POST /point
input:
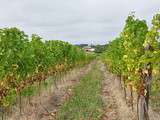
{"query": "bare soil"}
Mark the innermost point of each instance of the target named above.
(115, 105)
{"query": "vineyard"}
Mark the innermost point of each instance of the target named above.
(121, 81)
(26, 62)
(134, 57)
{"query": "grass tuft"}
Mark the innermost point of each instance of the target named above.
(86, 103)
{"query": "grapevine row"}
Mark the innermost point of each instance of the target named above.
(25, 61)
(134, 57)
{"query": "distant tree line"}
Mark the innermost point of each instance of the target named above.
(98, 48)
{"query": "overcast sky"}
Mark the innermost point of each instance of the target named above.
(76, 21)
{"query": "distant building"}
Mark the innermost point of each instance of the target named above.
(88, 49)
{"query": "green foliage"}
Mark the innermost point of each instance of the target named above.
(100, 48)
(127, 54)
(24, 61)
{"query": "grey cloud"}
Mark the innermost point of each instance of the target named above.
(76, 21)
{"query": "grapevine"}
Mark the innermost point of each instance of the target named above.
(26, 62)
(133, 56)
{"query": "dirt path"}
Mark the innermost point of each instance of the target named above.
(45, 106)
(115, 105)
